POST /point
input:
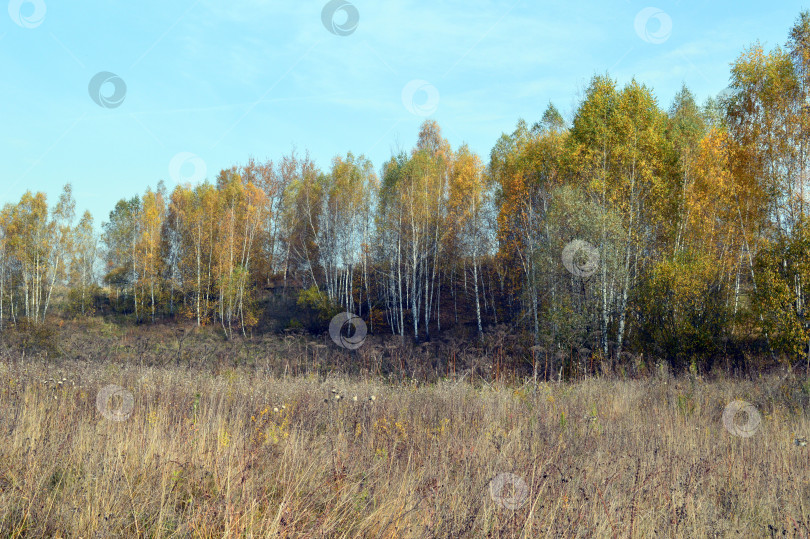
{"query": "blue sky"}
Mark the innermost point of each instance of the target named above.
(206, 84)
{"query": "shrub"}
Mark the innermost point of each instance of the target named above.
(319, 308)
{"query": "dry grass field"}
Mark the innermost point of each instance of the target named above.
(242, 453)
(110, 432)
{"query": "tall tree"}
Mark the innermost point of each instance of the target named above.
(83, 261)
(120, 237)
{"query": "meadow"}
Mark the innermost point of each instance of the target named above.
(177, 449)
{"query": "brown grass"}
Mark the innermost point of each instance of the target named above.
(206, 455)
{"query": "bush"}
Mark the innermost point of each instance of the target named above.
(85, 301)
(680, 313)
(319, 308)
(34, 338)
(781, 268)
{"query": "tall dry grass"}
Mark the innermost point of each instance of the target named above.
(244, 454)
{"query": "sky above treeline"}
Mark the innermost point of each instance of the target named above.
(114, 96)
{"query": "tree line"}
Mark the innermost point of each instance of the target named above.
(695, 215)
